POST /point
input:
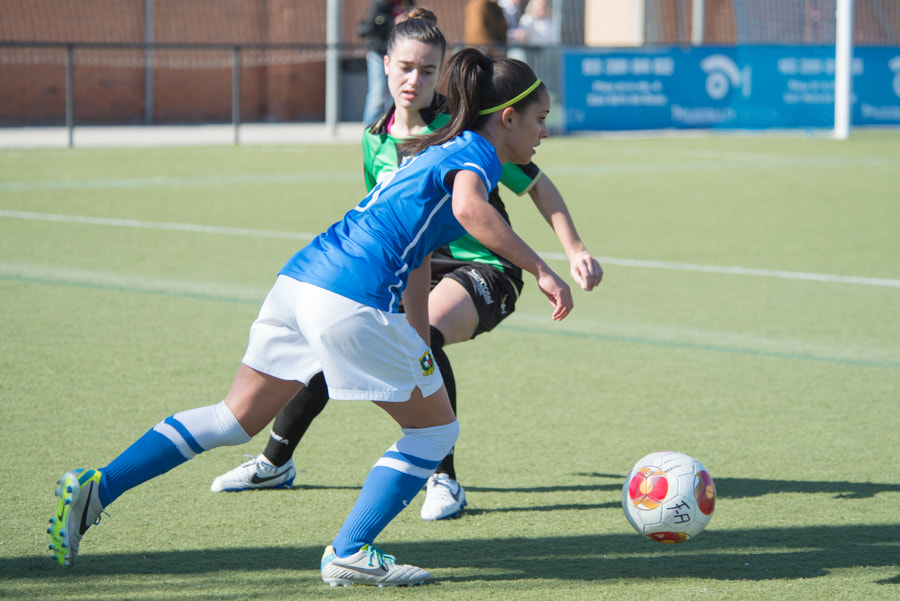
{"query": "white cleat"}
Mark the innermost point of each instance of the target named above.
(444, 498)
(370, 565)
(256, 473)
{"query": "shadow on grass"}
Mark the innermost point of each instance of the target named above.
(726, 488)
(739, 488)
(760, 554)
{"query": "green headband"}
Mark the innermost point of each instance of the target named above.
(528, 91)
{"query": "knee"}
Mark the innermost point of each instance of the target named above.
(449, 433)
(440, 439)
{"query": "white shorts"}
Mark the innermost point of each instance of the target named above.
(366, 354)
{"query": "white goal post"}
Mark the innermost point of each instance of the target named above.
(843, 59)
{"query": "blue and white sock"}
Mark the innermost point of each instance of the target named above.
(168, 444)
(392, 483)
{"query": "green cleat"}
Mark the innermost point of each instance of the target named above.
(79, 508)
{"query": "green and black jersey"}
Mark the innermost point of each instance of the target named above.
(380, 156)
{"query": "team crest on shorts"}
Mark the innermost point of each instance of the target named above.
(426, 362)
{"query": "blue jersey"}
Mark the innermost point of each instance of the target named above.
(368, 255)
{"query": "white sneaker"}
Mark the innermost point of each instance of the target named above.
(370, 565)
(444, 498)
(256, 473)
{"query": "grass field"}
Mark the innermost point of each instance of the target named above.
(749, 316)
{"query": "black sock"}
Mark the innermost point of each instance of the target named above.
(443, 362)
(294, 419)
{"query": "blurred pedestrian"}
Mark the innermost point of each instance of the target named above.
(512, 10)
(374, 30)
(536, 27)
(485, 27)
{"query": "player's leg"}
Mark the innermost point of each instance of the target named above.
(254, 399)
(293, 421)
(443, 363)
(429, 430)
(274, 467)
(389, 362)
(453, 319)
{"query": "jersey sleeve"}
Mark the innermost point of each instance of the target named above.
(477, 158)
(520, 178)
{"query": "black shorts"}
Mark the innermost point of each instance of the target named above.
(493, 292)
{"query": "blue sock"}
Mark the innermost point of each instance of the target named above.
(384, 495)
(148, 457)
(170, 443)
(391, 485)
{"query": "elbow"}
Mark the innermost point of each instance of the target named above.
(465, 214)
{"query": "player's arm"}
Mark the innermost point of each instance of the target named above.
(484, 223)
(415, 299)
(584, 268)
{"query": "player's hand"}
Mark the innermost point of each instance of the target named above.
(557, 292)
(585, 270)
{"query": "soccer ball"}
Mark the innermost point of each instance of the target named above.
(669, 497)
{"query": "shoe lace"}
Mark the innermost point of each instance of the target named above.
(444, 487)
(380, 556)
(100, 515)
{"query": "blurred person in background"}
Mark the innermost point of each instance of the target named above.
(536, 27)
(485, 27)
(512, 9)
(374, 30)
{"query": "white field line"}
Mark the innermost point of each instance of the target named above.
(133, 282)
(154, 225)
(154, 182)
(209, 229)
(792, 160)
(722, 163)
(750, 271)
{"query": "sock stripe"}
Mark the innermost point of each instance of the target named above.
(185, 433)
(404, 467)
(420, 462)
(180, 437)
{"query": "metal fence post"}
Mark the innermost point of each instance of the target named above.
(148, 62)
(70, 102)
(332, 64)
(236, 95)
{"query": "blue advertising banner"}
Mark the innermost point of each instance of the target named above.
(744, 87)
(877, 89)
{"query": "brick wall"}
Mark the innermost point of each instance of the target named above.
(191, 86)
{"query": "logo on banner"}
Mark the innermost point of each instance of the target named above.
(723, 75)
(894, 65)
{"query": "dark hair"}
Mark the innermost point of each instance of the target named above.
(476, 82)
(420, 25)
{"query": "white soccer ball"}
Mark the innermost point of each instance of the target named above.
(669, 497)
